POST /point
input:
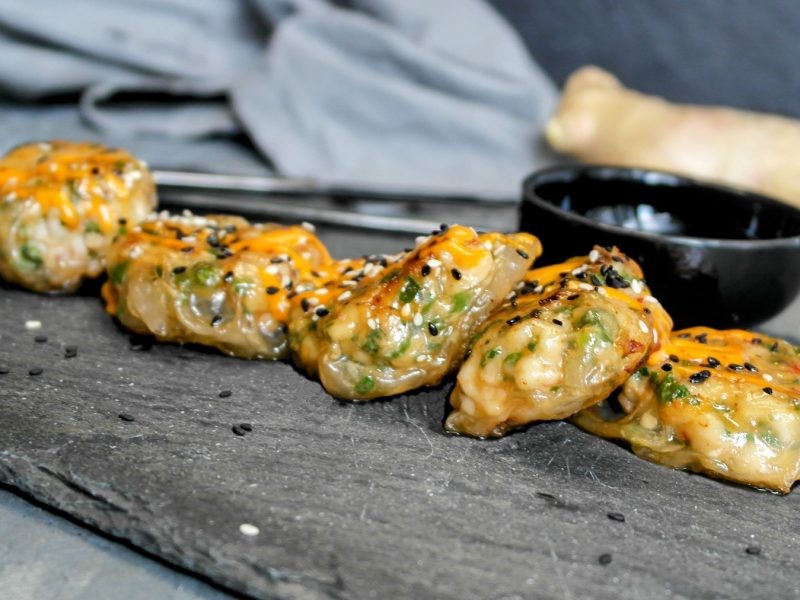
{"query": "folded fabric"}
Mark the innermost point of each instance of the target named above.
(396, 92)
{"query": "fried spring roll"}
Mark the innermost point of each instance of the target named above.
(61, 204)
(402, 326)
(572, 333)
(723, 403)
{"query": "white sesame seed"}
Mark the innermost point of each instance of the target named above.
(637, 286)
(538, 289)
(419, 240)
(418, 319)
(312, 301)
(249, 529)
(422, 358)
(348, 283)
(433, 263)
(594, 255)
(372, 324)
(643, 326)
(585, 287)
(344, 296)
(767, 377)
(272, 270)
(308, 226)
(395, 305)
(406, 310)
(321, 291)
(33, 324)
(602, 291)
(650, 299)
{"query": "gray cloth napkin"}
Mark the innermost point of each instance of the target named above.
(433, 93)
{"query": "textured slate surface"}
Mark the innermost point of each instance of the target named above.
(354, 501)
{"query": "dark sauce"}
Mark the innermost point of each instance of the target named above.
(671, 206)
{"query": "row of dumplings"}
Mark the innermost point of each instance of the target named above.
(583, 340)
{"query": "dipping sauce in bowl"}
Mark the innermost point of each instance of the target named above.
(712, 255)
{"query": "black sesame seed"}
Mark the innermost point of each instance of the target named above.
(700, 376)
(246, 426)
(40, 339)
(535, 313)
(684, 336)
(756, 341)
(216, 320)
(444, 227)
(70, 352)
(712, 362)
(322, 311)
(618, 259)
(666, 367)
(187, 249)
(276, 260)
(426, 270)
(290, 285)
(557, 322)
(751, 367)
(581, 275)
(467, 353)
(604, 559)
(122, 221)
(573, 296)
(513, 320)
(228, 277)
(615, 516)
(126, 417)
(225, 394)
(178, 270)
(768, 390)
(4, 370)
(35, 371)
(753, 550)
(237, 429)
(523, 254)
(456, 274)
(433, 329)
(774, 347)
(674, 358)
(595, 280)
(304, 304)
(735, 367)
(272, 290)
(702, 338)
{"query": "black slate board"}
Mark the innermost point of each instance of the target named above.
(354, 501)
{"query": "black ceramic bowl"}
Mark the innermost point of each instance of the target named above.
(712, 255)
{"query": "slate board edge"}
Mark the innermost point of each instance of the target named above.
(265, 583)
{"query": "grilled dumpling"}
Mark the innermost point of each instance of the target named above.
(218, 281)
(569, 336)
(724, 403)
(406, 325)
(61, 204)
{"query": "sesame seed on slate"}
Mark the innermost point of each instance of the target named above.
(712, 362)
(753, 550)
(433, 329)
(246, 426)
(237, 429)
(225, 394)
(272, 290)
(40, 339)
(35, 371)
(126, 417)
(70, 352)
(523, 254)
(456, 274)
(4, 370)
(557, 322)
(615, 516)
(513, 320)
(216, 320)
(322, 311)
(426, 270)
(604, 559)
(768, 390)
(666, 367)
